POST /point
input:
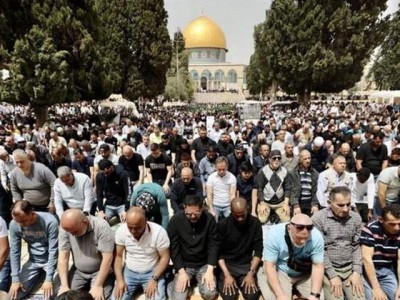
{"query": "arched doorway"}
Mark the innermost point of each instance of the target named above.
(203, 83)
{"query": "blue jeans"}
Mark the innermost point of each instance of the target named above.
(5, 276)
(222, 210)
(387, 280)
(112, 211)
(32, 275)
(134, 280)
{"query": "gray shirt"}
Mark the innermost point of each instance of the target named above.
(87, 249)
(36, 187)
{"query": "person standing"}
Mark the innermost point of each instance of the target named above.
(373, 154)
(303, 198)
(221, 189)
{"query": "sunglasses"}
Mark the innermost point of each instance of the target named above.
(301, 227)
(276, 158)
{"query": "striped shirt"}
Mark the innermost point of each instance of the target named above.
(305, 180)
(385, 247)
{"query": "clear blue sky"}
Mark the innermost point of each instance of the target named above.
(237, 19)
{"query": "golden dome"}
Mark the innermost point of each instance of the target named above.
(203, 32)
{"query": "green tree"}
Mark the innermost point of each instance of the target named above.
(319, 45)
(57, 61)
(258, 76)
(136, 46)
(179, 84)
(385, 71)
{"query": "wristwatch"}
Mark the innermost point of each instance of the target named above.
(316, 295)
(155, 278)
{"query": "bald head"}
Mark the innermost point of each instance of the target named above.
(127, 151)
(186, 175)
(301, 219)
(74, 221)
(238, 204)
(344, 149)
(136, 212)
(239, 211)
(136, 221)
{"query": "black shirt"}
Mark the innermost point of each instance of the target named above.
(193, 245)
(115, 188)
(84, 166)
(245, 188)
(179, 191)
(158, 167)
(238, 243)
(200, 147)
(132, 165)
(372, 159)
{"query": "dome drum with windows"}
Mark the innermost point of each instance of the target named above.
(206, 45)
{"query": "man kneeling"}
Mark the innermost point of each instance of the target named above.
(294, 256)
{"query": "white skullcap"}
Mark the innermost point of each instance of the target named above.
(318, 141)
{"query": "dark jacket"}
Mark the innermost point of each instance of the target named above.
(115, 188)
(237, 244)
(234, 163)
(296, 186)
(179, 191)
(193, 245)
(318, 158)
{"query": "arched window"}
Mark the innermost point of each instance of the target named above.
(194, 75)
(232, 76)
(219, 75)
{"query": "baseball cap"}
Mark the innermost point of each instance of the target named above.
(275, 153)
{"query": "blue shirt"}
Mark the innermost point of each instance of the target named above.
(276, 250)
(42, 240)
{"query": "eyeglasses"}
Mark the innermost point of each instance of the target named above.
(276, 158)
(192, 214)
(301, 227)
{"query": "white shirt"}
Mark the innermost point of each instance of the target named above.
(143, 150)
(221, 187)
(112, 157)
(323, 188)
(79, 195)
(363, 192)
(390, 177)
(142, 256)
